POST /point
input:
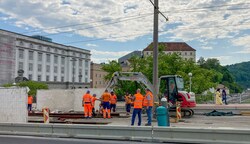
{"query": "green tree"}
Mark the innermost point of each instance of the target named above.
(110, 68)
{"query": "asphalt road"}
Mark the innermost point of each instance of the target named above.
(8, 139)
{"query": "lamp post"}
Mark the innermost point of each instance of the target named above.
(73, 73)
(190, 81)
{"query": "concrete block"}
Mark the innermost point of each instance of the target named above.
(13, 105)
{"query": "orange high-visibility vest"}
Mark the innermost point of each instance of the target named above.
(128, 99)
(138, 101)
(106, 97)
(145, 101)
(30, 100)
(87, 98)
(113, 99)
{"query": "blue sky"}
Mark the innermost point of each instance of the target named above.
(112, 28)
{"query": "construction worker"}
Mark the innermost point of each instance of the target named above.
(87, 104)
(148, 103)
(128, 102)
(105, 98)
(93, 104)
(113, 101)
(138, 98)
(30, 101)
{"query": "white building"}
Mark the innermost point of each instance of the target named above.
(181, 48)
(43, 60)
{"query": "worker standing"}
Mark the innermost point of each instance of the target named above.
(30, 101)
(113, 101)
(138, 98)
(93, 104)
(128, 102)
(148, 103)
(87, 104)
(105, 98)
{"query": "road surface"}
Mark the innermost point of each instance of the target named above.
(8, 139)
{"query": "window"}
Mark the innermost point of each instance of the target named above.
(56, 50)
(62, 79)
(40, 56)
(47, 78)
(31, 45)
(191, 53)
(39, 78)
(63, 52)
(62, 60)
(80, 79)
(48, 49)
(21, 43)
(86, 64)
(39, 68)
(185, 53)
(55, 59)
(95, 75)
(86, 73)
(21, 51)
(47, 68)
(80, 71)
(20, 65)
(55, 78)
(30, 76)
(55, 69)
(80, 63)
(31, 55)
(86, 80)
(48, 57)
(40, 47)
(74, 53)
(30, 67)
(100, 75)
(62, 70)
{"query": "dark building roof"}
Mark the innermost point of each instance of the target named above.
(171, 46)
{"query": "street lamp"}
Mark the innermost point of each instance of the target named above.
(73, 73)
(190, 81)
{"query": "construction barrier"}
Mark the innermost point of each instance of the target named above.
(46, 114)
(178, 111)
(142, 133)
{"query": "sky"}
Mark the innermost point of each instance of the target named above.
(111, 29)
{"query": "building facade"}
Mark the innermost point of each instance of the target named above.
(124, 59)
(181, 48)
(58, 65)
(97, 76)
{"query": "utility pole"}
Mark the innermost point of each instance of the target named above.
(155, 51)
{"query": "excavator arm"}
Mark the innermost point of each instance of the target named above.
(129, 76)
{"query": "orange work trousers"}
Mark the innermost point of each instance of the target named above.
(87, 110)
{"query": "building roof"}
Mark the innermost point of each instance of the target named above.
(171, 46)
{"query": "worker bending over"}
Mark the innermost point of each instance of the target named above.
(113, 101)
(87, 104)
(105, 98)
(138, 98)
(93, 104)
(128, 102)
(148, 103)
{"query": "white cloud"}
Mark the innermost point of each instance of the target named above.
(206, 47)
(244, 43)
(91, 45)
(105, 56)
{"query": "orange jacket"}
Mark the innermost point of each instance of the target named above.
(128, 99)
(106, 97)
(113, 99)
(30, 99)
(87, 98)
(148, 99)
(93, 100)
(138, 101)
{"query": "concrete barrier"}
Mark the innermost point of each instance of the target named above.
(150, 134)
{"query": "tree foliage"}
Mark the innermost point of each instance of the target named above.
(110, 68)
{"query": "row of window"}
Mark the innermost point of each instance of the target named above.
(48, 58)
(39, 78)
(186, 53)
(50, 49)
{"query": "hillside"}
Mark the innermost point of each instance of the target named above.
(241, 73)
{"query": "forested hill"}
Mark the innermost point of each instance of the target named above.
(241, 73)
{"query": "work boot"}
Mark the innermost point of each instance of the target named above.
(147, 124)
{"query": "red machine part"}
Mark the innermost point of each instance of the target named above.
(188, 100)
